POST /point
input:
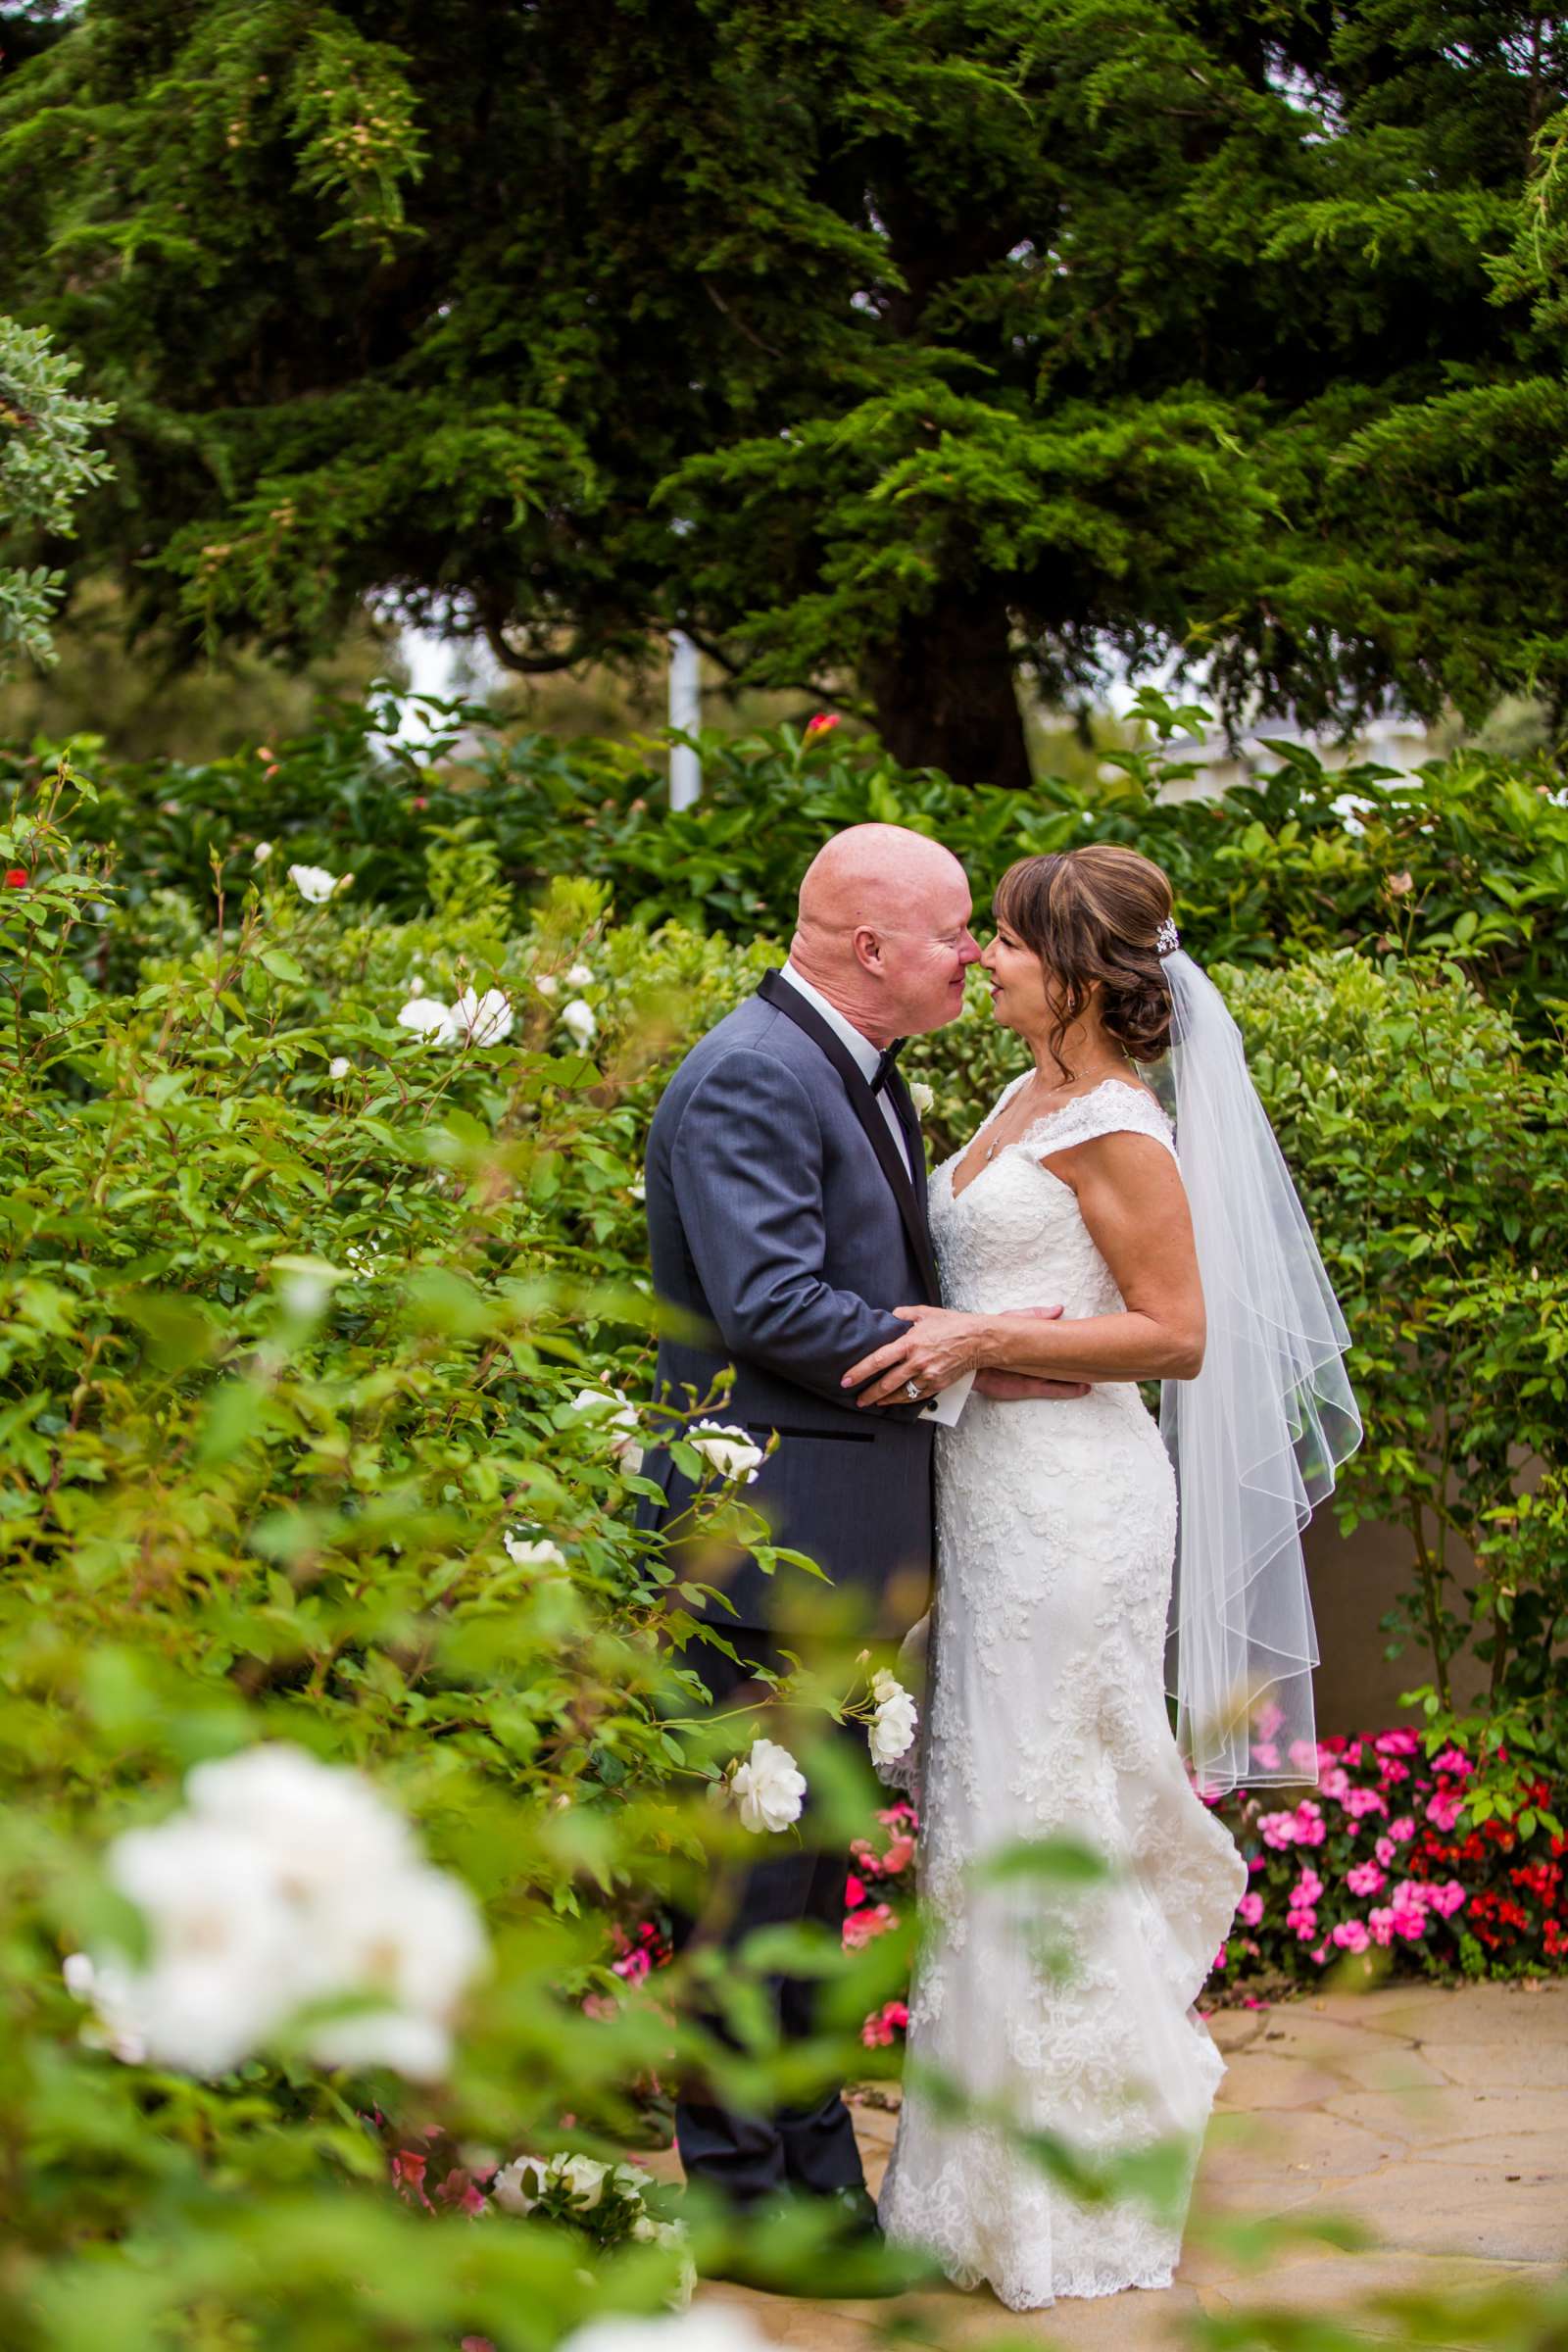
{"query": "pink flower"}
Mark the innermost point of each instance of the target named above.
(1303, 1755)
(1309, 1826)
(1447, 1899)
(1257, 1863)
(1249, 1910)
(1220, 1957)
(862, 1926)
(1384, 1850)
(1352, 1755)
(1351, 1936)
(1308, 1886)
(853, 1891)
(1303, 1922)
(1321, 1955)
(1443, 1810)
(1359, 1802)
(1402, 1829)
(1334, 1782)
(1393, 1772)
(1269, 1718)
(1266, 1755)
(1366, 1878)
(1277, 1829)
(823, 723)
(899, 1856)
(1381, 1924)
(1401, 1742)
(1453, 1760)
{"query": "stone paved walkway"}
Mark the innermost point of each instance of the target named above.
(1437, 2119)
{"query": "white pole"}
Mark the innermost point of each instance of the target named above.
(686, 714)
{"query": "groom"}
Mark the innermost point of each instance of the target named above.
(786, 1185)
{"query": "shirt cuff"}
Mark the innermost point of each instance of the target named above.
(948, 1402)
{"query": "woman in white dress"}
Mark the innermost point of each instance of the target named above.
(1057, 2011)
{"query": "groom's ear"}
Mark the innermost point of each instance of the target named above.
(868, 945)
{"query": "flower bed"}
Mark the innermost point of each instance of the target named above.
(1382, 1858)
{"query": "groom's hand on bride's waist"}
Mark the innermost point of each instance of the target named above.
(1016, 1387)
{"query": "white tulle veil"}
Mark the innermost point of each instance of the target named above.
(1256, 1437)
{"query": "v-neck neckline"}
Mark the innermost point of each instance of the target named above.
(957, 1192)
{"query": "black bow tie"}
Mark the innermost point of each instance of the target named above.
(888, 1064)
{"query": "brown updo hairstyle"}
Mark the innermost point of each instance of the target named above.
(1093, 914)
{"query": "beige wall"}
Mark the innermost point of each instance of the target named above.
(1354, 1579)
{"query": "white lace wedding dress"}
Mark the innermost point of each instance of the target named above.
(1046, 1712)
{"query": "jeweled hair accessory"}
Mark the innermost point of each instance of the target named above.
(1167, 939)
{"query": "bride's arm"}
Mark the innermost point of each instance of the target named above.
(1132, 1202)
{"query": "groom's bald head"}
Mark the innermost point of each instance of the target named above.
(883, 929)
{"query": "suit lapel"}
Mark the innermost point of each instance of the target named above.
(788, 1001)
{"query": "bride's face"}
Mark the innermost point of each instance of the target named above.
(1021, 990)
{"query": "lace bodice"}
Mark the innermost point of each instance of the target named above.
(1016, 1225)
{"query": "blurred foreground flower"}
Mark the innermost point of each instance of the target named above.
(712, 2328)
(529, 1552)
(480, 1020)
(314, 883)
(579, 1019)
(285, 1881)
(727, 1451)
(768, 1788)
(922, 1095)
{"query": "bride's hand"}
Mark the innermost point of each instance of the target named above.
(941, 1346)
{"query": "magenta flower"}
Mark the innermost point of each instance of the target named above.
(1447, 1899)
(1393, 1772)
(1310, 1824)
(1268, 1720)
(1303, 1755)
(1308, 1886)
(1402, 1829)
(1303, 1922)
(1266, 1755)
(1277, 1829)
(1385, 1851)
(1443, 1810)
(1351, 1936)
(1401, 1742)
(1366, 1878)
(1358, 1801)
(1381, 1924)
(1453, 1760)
(1335, 1782)
(1249, 1910)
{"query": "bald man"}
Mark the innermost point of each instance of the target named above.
(786, 1189)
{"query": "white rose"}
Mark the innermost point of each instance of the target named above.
(580, 975)
(620, 1420)
(769, 1788)
(429, 1016)
(338, 1066)
(891, 1730)
(579, 1019)
(922, 1098)
(729, 1451)
(542, 1555)
(548, 984)
(261, 852)
(314, 883)
(519, 2185)
(480, 1020)
(581, 2177)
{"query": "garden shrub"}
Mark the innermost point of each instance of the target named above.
(1469, 858)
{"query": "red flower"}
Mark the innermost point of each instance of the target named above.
(822, 724)
(853, 1891)
(16, 877)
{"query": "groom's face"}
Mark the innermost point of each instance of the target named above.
(924, 960)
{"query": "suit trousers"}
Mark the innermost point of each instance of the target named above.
(810, 2151)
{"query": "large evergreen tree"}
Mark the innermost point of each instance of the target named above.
(890, 346)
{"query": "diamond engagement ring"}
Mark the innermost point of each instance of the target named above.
(912, 1390)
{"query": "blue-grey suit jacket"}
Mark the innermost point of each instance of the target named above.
(781, 1215)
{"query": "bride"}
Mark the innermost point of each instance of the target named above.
(1181, 1254)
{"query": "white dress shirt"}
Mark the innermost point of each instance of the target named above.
(948, 1402)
